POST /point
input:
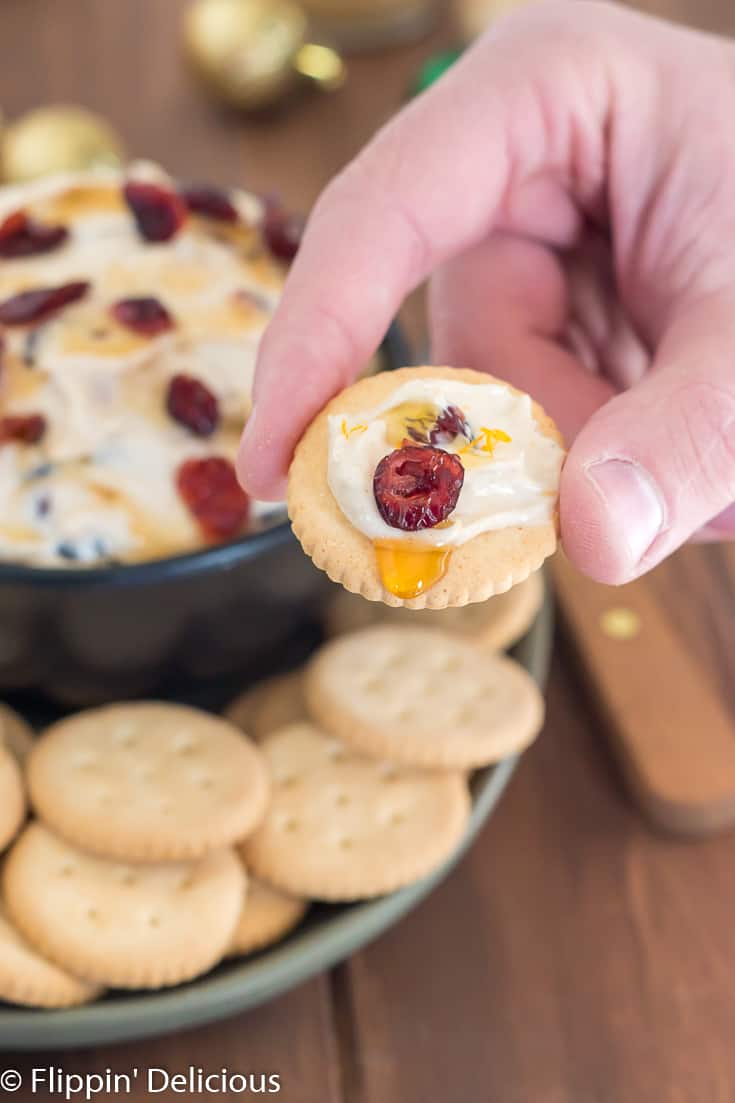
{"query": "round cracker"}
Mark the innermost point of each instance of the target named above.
(15, 733)
(423, 697)
(122, 925)
(269, 705)
(147, 782)
(29, 980)
(267, 916)
(343, 827)
(494, 625)
(486, 565)
(12, 798)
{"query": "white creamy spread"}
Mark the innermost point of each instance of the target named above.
(506, 483)
(101, 483)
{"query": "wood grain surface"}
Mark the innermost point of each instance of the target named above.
(575, 956)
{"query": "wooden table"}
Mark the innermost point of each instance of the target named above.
(575, 957)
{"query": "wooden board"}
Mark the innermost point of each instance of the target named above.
(662, 707)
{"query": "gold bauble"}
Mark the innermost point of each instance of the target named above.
(244, 49)
(250, 52)
(475, 16)
(59, 138)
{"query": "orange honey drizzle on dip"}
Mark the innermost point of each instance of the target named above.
(80, 200)
(407, 572)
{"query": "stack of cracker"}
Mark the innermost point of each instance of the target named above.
(131, 876)
(164, 839)
(371, 744)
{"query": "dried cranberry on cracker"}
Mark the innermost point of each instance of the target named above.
(417, 487)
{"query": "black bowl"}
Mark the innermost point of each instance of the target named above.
(172, 625)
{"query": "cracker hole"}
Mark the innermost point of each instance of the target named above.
(66, 871)
(186, 884)
(165, 809)
(342, 800)
(390, 774)
(396, 819)
(345, 843)
(154, 922)
(337, 755)
(289, 782)
(128, 879)
(291, 824)
(92, 915)
(205, 783)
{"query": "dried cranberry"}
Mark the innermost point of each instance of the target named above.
(145, 315)
(192, 404)
(22, 429)
(21, 236)
(211, 491)
(32, 306)
(159, 212)
(450, 424)
(210, 202)
(282, 231)
(416, 488)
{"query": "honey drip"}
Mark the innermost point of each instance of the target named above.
(409, 571)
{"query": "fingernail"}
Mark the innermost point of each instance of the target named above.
(633, 501)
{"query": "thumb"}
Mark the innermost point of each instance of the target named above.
(656, 463)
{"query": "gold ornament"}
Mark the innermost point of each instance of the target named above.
(475, 16)
(249, 53)
(59, 138)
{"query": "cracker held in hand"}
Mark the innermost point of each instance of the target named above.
(121, 925)
(344, 827)
(30, 981)
(12, 798)
(267, 916)
(422, 697)
(428, 487)
(492, 625)
(147, 782)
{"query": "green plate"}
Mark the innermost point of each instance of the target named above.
(329, 935)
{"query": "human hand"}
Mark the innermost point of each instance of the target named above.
(569, 185)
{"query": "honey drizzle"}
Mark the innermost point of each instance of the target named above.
(407, 571)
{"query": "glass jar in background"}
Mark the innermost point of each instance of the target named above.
(366, 24)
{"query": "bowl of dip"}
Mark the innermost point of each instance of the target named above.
(131, 309)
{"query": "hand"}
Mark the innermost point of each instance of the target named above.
(570, 185)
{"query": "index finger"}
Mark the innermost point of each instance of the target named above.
(435, 181)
